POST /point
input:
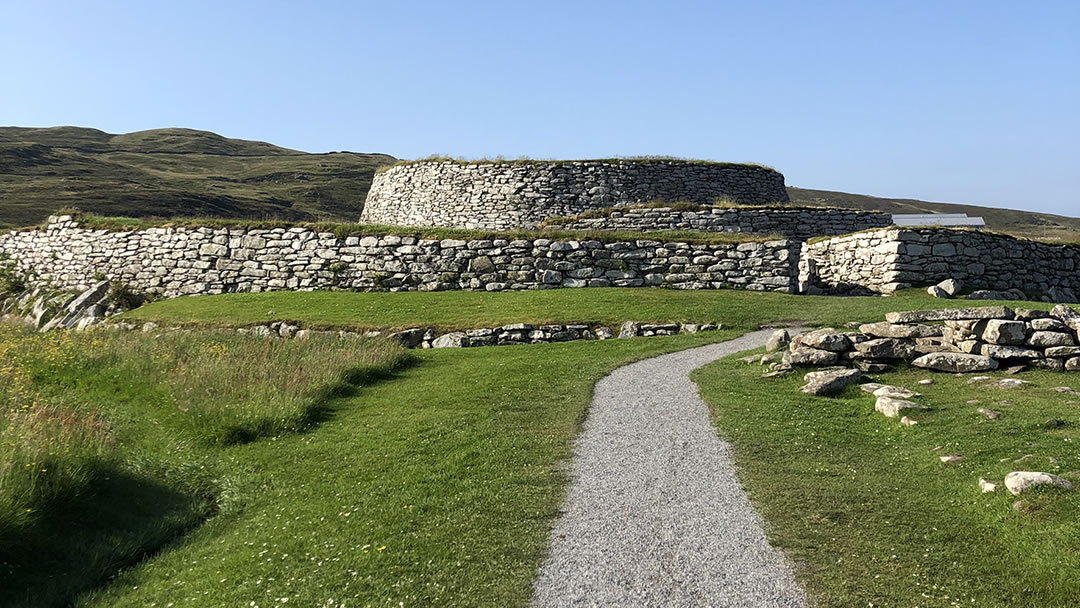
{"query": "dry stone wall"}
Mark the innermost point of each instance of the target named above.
(186, 261)
(513, 195)
(801, 223)
(882, 261)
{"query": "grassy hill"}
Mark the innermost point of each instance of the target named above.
(175, 173)
(165, 173)
(1042, 226)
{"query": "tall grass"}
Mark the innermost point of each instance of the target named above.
(58, 405)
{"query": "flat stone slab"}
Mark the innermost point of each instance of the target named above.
(951, 314)
(955, 362)
(1018, 481)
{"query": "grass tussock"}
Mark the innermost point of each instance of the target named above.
(92, 418)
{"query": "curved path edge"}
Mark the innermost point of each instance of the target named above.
(654, 514)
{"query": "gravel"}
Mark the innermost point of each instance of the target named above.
(655, 515)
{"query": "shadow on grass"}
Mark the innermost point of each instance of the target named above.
(78, 542)
(319, 409)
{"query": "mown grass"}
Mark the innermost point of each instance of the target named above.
(111, 445)
(870, 514)
(744, 310)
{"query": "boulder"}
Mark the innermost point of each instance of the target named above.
(891, 406)
(1062, 312)
(825, 338)
(950, 314)
(1047, 339)
(455, 339)
(811, 356)
(937, 292)
(955, 362)
(1030, 314)
(951, 287)
(1063, 351)
(896, 392)
(1073, 365)
(604, 333)
(887, 348)
(998, 351)
(830, 382)
(1019, 481)
(630, 329)
(779, 339)
(998, 331)
(892, 330)
(409, 338)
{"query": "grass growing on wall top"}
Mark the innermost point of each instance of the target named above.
(524, 160)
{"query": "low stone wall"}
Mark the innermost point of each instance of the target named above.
(882, 261)
(183, 261)
(512, 195)
(800, 223)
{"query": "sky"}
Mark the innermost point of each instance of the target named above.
(971, 102)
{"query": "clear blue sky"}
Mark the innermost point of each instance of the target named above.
(975, 102)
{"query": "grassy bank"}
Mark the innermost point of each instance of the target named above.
(468, 309)
(112, 445)
(871, 515)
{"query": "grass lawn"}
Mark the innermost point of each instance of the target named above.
(870, 514)
(736, 309)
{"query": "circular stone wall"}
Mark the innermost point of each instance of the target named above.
(521, 194)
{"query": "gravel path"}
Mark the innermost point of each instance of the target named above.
(655, 515)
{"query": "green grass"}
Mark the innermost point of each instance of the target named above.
(744, 310)
(175, 173)
(436, 487)
(873, 518)
(114, 444)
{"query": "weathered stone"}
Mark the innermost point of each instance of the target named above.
(997, 331)
(1048, 324)
(1019, 481)
(892, 330)
(891, 407)
(989, 413)
(951, 287)
(919, 316)
(1063, 351)
(604, 333)
(986, 486)
(630, 329)
(1047, 339)
(955, 362)
(998, 351)
(779, 339)
(825, 338)
(830, 382)
(409, 338)
(887, 348)
(908, 421)
(1064, 313)
(937, 292)
(456, 339)
(896, 392)
(1008, 383)
(811, 356)
(1073, 365)
(950, 459)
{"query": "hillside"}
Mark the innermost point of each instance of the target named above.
(166, 173)
(174, 172)
(1042, 226)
